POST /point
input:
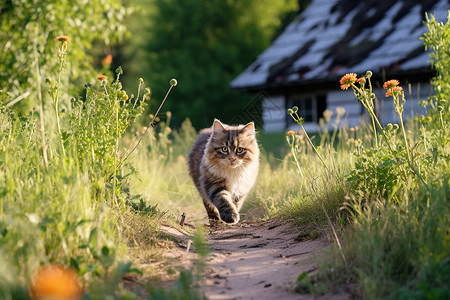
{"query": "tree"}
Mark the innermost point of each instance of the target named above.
(28, 50)
(204, 45)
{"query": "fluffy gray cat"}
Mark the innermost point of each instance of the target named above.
(223, 164)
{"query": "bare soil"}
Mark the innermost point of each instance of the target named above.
(257, 260)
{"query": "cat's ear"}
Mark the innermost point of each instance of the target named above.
(249, 127)
(218, 125)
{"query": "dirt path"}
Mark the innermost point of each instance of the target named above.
(259, 261)
(254, 260)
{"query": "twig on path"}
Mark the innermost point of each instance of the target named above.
(183, 217)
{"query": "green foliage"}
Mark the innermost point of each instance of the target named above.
(27, 33)
(437, 38)
(205, 44)
(48, 214)
(98, 120)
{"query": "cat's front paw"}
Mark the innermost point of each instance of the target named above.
(230, 217)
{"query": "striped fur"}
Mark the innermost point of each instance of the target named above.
(223, 164)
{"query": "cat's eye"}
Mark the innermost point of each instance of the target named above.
(239, 150)
(224, 149)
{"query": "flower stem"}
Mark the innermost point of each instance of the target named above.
(296, 161)
(374, 131)
(404, 137)
(41, 108)
(315, 150)
(128, 151)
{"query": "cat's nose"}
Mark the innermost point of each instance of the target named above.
(231, 159)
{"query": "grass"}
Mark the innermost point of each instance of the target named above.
(62, 214)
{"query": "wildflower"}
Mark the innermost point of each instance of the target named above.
(107, 60)
(340, 111)
(327, 114)
(55, 282)
(124, 95)
(393, 89)
(173, 82)
(62, 38)
(101, 77)
(347, 80)
(290, 132)
(390, 84)
(361, 79)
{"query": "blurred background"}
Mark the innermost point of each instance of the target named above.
(203, 44)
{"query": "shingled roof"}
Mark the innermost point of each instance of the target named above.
(334, 37)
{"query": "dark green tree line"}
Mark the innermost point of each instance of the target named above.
(204, 44)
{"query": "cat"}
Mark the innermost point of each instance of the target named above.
(224, 163)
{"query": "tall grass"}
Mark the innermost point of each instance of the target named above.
(393, 196)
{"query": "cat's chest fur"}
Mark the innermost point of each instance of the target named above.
(238, 181)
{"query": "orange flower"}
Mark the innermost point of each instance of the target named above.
(290, 132)
(394, 89)
(390, 84)
(107, 60)
(55, 282)
(101, 77)
(347, 80)
(62, 38)
(360, 79)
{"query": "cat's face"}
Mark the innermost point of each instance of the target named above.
(232, 146)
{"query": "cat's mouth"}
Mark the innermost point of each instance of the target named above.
(234, 164)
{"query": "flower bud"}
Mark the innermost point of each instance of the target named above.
(368, 74)
(173, 82)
